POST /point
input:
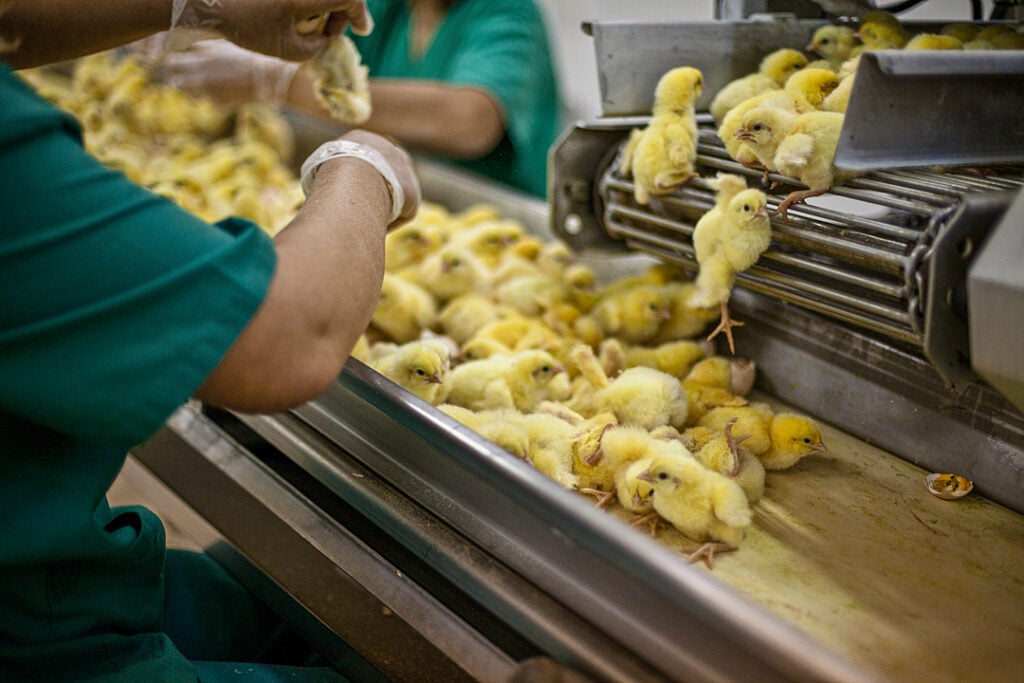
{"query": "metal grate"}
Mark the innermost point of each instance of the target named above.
(857, 254)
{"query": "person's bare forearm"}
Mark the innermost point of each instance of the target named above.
(47, 31)
(325, 287)
(430, 116)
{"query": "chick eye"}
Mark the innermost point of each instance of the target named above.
(758, 126)
(806, 440)
(421, 372)
(663, 476)
(746, 207)
(545, 368)
(826, 41)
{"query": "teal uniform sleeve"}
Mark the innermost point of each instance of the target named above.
(116, 303)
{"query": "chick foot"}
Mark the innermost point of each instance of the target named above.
(603, 497)
(793, 198)
(651, 519)
(707, 552)
(725, 324)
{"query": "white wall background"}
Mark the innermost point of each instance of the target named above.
(574, 51)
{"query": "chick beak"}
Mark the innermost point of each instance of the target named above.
(446, 267)
(762, 211)
(820, 447)
(637, 500)
(646, 476)
(810, 47)
(743, 134)
(436, 378)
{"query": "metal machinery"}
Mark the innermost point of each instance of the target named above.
(409, 548)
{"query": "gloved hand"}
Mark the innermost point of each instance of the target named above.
(289, 29)
(228, 74)
(390, 160)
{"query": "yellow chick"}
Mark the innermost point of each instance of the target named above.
(964, 31)
(683, 320)
(724, 454)
(778, 440)
(421, 367)
(879, 35)
(839, 99)
(450, 271)
(728, 243)
(407, 245)
(489, 241)
(661, 156)
(833, 43)
(772, 73)
(1008, 41)
(462, 316)
(933, 41)
(520, 380)
(404, 309)
(633, 315)
(551, 442)
(519, 333)
(700, 503)
(800, 147)
(675, 358)
(638, 397)
(805, 91)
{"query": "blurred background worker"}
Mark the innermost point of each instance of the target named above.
(116, 306)
(468, 81)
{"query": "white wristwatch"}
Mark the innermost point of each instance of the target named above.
(347, 148)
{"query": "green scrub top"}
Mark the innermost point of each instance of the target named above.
(500, 46)
(116, 304)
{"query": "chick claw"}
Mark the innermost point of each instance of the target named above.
(707, 552)
(603, 497)
(793, 198)
(725, 324)
(651, 519)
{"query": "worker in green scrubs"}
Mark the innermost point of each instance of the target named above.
(469, 82)
(116, 306)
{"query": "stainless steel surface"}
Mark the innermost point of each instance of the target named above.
(995, 289)
(633, 55)
(934, 108)
(676, 620)
(403, 631)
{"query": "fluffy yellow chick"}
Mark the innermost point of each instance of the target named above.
(724, 454)
(805, 91)
(463, 316)
(771, 74)
(833, 43)
(450, 271)
(717, 381)
(800, 147)
(489, 241)
(727, 243)
(421, 367)
(661, 156)
(519, 333)
(633, 315)
(520, 381)
(877, 35)
(407, 245)
(404, 309)
(778, 440)
(639, 397)
(675, 358)
(964, 31)
(839, 99)
(700, 503)
(933, 41)
(683, 320)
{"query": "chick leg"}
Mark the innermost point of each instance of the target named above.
(603, 497)
(707, 553)
(793, 198)
(725, 324)
(651, 519)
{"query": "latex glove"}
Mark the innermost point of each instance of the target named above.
(390, 160)
(282, 28)
(229, 74)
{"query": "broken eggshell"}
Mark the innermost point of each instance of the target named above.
(948, 486)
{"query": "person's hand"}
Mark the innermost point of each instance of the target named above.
(228, 74)
(393, 162)
(295, 30)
